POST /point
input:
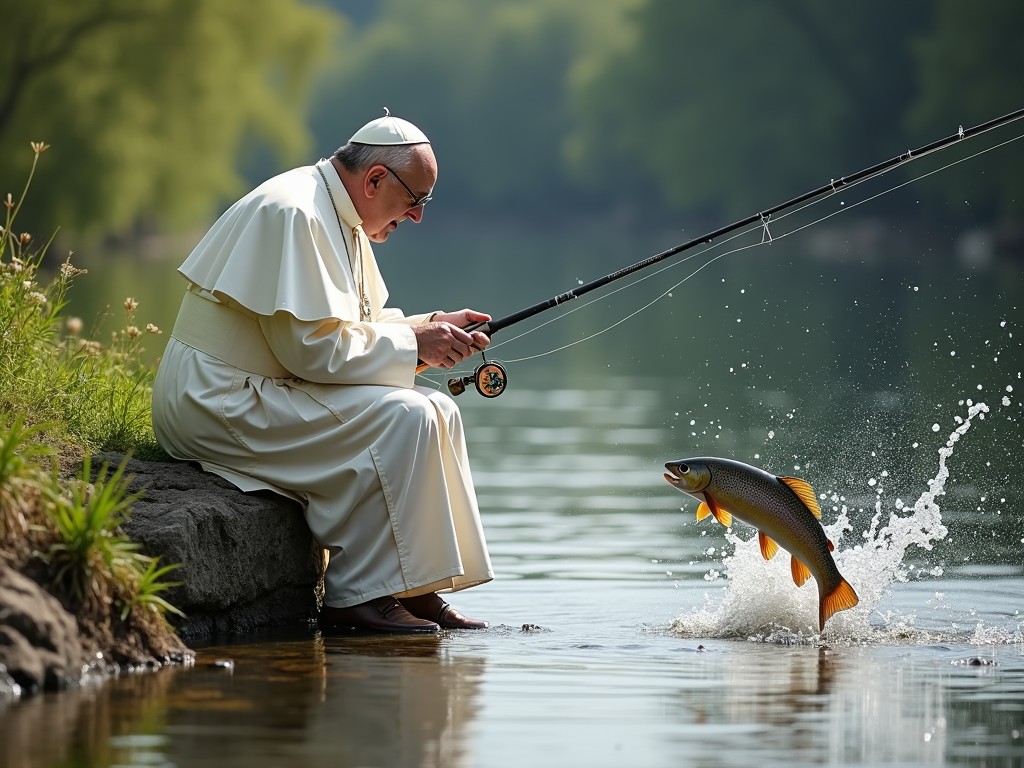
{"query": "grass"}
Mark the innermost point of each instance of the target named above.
(94, 396)
(63, 398)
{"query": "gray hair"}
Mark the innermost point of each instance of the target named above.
(358, 157)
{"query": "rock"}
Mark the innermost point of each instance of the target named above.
(248, 560)
(39, 642)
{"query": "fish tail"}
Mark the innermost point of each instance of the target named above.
(839, 599)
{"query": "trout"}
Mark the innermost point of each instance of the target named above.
(784, 511)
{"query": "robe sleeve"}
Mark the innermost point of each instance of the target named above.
(340, 352)
(391, 315)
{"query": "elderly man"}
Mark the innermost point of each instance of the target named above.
(286, 371)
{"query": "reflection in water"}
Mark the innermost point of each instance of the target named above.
(344, 700)
(397, 704)
(98, 724)
(829, 706)
(339, 701)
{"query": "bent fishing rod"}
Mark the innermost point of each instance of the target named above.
(490, 377)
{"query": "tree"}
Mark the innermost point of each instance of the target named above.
(738, 104)
(490, 83)
(147, 105)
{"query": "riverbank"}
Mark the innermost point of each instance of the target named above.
(245, 562)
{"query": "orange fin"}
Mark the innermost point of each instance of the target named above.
(805, 493)
(768, 545)
(703, 511)
(839, 599)
(800, 572)
(721, 515)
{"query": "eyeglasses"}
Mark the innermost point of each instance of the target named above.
(416, 201)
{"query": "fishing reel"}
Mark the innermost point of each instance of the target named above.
(489, 377)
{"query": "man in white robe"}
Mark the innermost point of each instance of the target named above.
(285, 371)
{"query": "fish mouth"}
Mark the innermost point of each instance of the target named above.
(672, 479)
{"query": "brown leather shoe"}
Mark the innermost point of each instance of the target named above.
(382, 614)
(433, 608)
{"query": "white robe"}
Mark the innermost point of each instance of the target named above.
(271, 380)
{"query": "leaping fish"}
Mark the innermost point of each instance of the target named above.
(783, 509)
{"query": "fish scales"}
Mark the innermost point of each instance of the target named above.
(779, 507)
(766, 503)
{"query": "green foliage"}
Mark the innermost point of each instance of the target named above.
(147, 104)
(490, 84)
(76, 527)
(733, 102)
(147, 588)
(92, 396)
(106, 391)
(89, 552)
(537, 107)
(62, 394)
(17, 453)
(20, 478)
(653, 106)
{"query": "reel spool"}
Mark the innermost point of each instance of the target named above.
(489, 377)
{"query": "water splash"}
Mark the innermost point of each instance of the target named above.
(761, 603)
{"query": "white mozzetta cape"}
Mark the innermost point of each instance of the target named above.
(279, 249)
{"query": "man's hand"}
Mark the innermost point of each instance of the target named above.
(442, 343)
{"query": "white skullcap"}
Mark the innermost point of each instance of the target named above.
(389, 130)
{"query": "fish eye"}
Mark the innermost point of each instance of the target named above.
(684, 468)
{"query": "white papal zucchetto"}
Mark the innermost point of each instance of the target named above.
(389, 130)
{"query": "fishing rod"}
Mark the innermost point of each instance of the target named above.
(490, 377)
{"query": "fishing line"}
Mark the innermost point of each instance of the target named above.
(490, 377)
(766, 239)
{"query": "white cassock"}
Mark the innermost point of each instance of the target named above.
(273, 380)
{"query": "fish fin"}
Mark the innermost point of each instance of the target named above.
(768, 545)
(839, 599)
(804, 492)
(831, 546)
(703, 510)
(800, 572)
(721, 515)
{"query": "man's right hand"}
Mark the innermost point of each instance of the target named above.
(442, 344)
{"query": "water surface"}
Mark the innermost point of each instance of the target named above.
(625, 633)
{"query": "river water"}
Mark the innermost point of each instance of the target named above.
(624, 632)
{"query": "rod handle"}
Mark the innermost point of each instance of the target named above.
(483, 326)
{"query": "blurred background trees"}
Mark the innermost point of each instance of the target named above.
(152, 108)
(161, 113)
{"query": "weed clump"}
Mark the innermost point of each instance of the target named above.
(62, 398)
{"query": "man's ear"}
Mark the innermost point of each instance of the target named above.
(371, 181)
